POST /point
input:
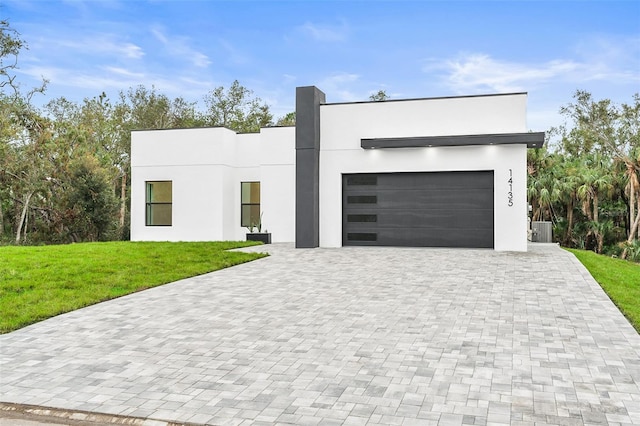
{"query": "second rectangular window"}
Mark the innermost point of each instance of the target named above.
(159, 203)
(250, 204)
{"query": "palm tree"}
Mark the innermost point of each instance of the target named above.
(632, 189)
(596, 182)
(542, 190)
(568, 181)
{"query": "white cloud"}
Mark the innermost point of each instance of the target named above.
(196, 83)
(288, 78)
(480, 72)
(39, 72)
(124, 72)
(131, 50)
(235, 56)
(86, 5)
(109, 79)
(104, 44)
(341, 78)
(159, 35)
(200, 60)
(325, 33)
(603, 61)
(619, 52)
(104, 78)
(341, 85)
(179, 47)
(614, 59)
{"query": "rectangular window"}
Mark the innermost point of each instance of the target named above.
(250, 204)
(159, 199)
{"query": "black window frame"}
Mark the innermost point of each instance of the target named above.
(149, 204)
(242, 204)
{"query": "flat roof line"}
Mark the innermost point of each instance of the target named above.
(427, 98)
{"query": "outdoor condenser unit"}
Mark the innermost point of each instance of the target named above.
(541, 232)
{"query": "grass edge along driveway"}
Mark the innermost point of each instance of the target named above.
(618, 278)
(37, 283)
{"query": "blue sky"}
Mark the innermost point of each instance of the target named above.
(349, 49)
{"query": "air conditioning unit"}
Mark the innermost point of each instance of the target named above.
(541, 232)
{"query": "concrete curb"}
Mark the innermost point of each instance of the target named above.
(32, 415)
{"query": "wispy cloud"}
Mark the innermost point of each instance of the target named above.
(158, 34)
(88, 4)
(478, 72)
(102, 79)
(341, 85)
(196, 85)
(288, 78)
(325, 32)
(104, 44)
(131, 51)
(611, 58)
(235, 56)
(603, 60)
(179, 47)
(124, 72)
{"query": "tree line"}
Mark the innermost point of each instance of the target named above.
(65, 167)
(587, 180)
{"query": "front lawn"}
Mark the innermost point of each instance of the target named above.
(37, 283)
(619, 279)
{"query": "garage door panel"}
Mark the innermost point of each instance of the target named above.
(404, 199)
(452, 180)
(435, 180)
(423, 238)
(439, 209)
(480, 238)
(431, 219)
(458, 199)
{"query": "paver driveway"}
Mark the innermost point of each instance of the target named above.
(345, 336)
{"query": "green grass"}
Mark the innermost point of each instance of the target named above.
(620, 279)
(37, 283)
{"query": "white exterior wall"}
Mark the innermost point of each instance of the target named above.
(278, 183)
(342, 126)
(245, 169)
(206, 167)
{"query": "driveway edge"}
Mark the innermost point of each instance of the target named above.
(53, 416)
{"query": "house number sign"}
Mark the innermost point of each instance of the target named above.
(510, 193)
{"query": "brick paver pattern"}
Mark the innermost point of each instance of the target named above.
(348, 336)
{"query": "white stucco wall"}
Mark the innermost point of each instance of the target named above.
(206, 167)
(342, 126)
(278, 182)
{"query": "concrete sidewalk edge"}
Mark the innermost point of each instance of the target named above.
(56, 416)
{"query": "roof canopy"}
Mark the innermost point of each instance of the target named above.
(533, 140)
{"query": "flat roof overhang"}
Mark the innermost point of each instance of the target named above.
(531, 139)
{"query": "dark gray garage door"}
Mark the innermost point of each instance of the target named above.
(444, 209)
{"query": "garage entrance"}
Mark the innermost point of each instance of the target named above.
(432, 209)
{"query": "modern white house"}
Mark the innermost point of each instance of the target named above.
(436, 172)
